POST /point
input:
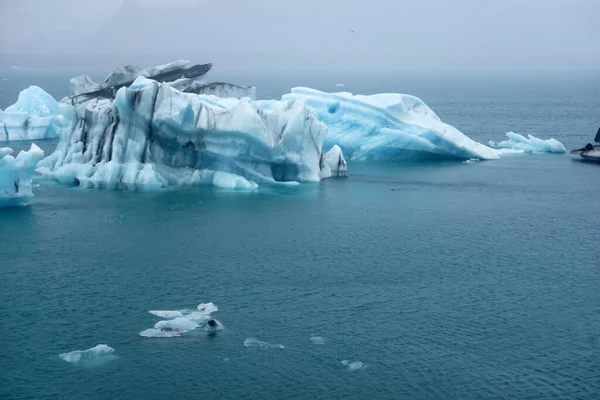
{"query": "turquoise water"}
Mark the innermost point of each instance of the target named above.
(447, 280)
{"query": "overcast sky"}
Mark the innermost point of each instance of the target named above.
(308, 33)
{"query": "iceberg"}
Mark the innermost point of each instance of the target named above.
(35, 115)
(94, 356)
(153, 135)
(387, 127)
(15, 175)
(529, 144)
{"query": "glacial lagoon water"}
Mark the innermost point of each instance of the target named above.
(425, 280)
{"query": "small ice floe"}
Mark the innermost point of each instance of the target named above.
(317, 340)
(91, 357)
(255, 343)
(339, 85)
(353, 365)
(176, 323)
(471, 161)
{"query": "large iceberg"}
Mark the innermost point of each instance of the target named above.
(529, 144)
(35, 115)
(388, 127)
(153, 135)
(15, 175)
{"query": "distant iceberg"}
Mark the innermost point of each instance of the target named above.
(35, 115)
(387, 127)
(529, 144)
(153, 135)
(15, 175)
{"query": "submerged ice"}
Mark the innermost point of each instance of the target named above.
(35, 115)
(15, 175)
(353, 365)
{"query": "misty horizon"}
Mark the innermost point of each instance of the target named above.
(309, 35)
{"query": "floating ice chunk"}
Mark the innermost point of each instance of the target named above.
(94, 356)
(471, 161)
(255, 343)
(317, 340)
(15, 175)
(353, 365)
(340, 85)
(334, 163)
(388, 127)
(35, 115)
(531, 144)
(176, 323)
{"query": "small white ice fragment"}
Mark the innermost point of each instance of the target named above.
(471, 161)
(252, 342)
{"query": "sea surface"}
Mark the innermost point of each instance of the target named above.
(445, 280)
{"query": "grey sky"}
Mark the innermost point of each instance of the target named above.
(308, 33)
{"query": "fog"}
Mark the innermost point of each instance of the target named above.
(308, 34)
